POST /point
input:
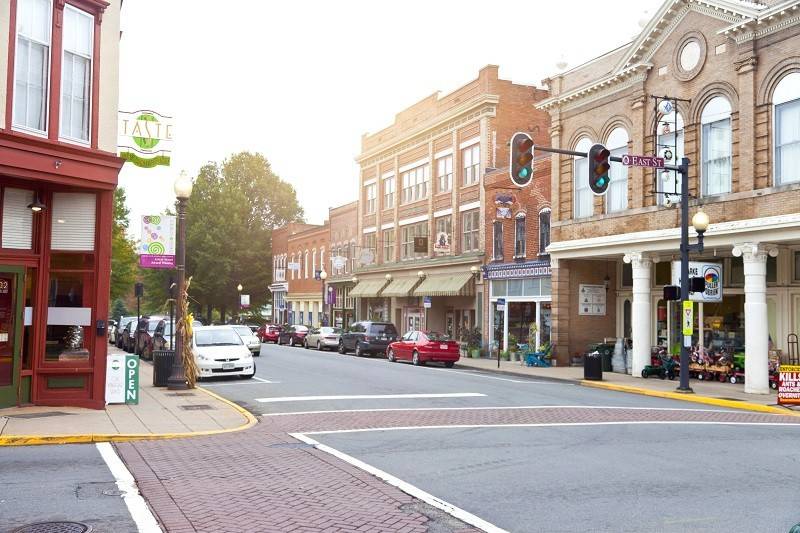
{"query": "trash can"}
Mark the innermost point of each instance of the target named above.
(607, 353)
(162, 366)
(593, 366)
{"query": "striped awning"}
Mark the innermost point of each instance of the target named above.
(369, 288)
(400, 287)
(445, 285)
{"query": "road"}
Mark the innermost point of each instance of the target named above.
(534, 455)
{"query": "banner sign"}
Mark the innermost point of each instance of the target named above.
(245, 300)
(710, 272)
(145, 138)
(789, 385)
(442, 243)
(157, 247)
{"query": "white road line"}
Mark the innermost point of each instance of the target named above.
(483, 375)
(408, 488)
(369, 397)
(500, 408)
(559, 424)
(262, 380)
(140, 512)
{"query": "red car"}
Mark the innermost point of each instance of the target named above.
(420, 347)
(268, 333)
(293, 335)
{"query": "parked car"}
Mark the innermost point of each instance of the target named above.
(119, 338)
(252, 327)
(219, 351)
(112, 330)
(293, 335)
(269, 333)
(126, 337)
(162, 341)
(324, 338)
(368, 337)
(421, 347)
(252, 342)
(148, 328)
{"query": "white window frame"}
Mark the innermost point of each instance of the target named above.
(469, 232)
(542, 245)
(47, 68)
(89, 102)
(388, 192)
(471, 164)
(709, 120)
(388, 245)
(580, 181)
(497, 253)
(407, 234)
(370, 193)
(444, 173)
(617, 193)
(305, 265)
(520, 253)
(785, 97)
(416, 184)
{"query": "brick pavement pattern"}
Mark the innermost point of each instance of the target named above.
(263, 480)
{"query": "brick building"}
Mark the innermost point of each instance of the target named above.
(307, 246)
(517, 267)
(343, 239)
(58, 171)
(734, 66)
(421, 229)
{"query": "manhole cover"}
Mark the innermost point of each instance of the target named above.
(196, 407)
(54, 527)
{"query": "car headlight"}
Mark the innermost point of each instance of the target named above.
(203, 358)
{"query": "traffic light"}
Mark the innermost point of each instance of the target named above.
(697, 284)
(598, 169)
(521, 164)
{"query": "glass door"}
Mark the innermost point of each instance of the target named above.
(10, 333)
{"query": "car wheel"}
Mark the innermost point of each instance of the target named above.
(415, 358)
(340, 349)
(390, 356)
(319, 346)
(305, 344)
(449, 364)
(358, 351)
(291, 341)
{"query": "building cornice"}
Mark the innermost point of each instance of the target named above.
(421, 264)
(770, 21)
(595, 90)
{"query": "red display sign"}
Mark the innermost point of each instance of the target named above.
(789, 385)
(642, 161)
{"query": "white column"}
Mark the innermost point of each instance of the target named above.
(756, 335)
(505, 326)
(641, 310)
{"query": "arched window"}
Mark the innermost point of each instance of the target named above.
(670, 143)
(716, 146)
(617, 196)
(786, 110)
(305, 265)
(314, 262)
(544, 230)
(582, 195)
(519, 235)
(322, 259)
(293, 261)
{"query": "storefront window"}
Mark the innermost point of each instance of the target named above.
(69, 316)
(27, 332)
(520, 317)
(17, 220)
(737, 270)
(545, 322)
(663, 274)
(627, 275)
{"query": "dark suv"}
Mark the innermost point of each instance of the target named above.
(368, 338)
(148, 328)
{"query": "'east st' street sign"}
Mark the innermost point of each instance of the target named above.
(642, 161)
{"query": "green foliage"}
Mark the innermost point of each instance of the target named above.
(471, 337)
(119, 309)
(230, 216)
(123, 253)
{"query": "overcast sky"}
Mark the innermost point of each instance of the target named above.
(281, 76)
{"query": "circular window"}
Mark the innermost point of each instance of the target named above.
(690, 55)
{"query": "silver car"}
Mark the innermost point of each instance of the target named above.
(323, 338)
(249, 338)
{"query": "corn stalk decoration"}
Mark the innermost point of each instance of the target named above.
(184, 329)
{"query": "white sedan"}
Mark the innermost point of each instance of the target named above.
(323, 338)
(249, 338)
(219, 351)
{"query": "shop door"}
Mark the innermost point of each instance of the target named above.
(10, 333)
(414, 319)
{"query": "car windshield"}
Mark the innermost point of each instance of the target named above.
(217, 337)
(382, 329)
(329, 331)
(300, 329)
(243, 331)
(152, 325)
(436, 336)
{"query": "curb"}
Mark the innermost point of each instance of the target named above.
(512, 373)
(694, 398)
(35, 440)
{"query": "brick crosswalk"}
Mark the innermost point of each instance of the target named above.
(263, 480)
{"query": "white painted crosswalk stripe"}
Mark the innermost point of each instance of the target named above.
(370, 397)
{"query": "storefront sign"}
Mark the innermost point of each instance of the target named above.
(244, 300)
(426, 302)
(688, 318)
(530, 269)
(420, 245)
(145, 138)
(366, 257)
(592, 300)
(122, 379)
(710, 272)
(339, 262)
(442, 243)
(789, 385)
(157, 247)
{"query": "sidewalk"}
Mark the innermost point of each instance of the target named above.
(718, 393)
(161, 413)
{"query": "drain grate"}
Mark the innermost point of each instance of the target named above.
(196, 407)
(39, 415)
(180, 394)
(54, 527)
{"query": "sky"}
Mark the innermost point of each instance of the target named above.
(301, 81)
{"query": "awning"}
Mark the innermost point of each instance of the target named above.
(445, 285)
(400, 287)
(369, 288)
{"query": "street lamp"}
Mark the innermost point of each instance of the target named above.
(322, 276)
(183, 190)
(239, 306)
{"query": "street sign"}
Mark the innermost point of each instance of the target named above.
(688, 317)
(501, 304)
(426, 302)
(642, 161)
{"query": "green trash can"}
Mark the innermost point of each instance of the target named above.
(162, 367)
(606, 352)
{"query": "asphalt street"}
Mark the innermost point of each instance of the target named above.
(68, 483)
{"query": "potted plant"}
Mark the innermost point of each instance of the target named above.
(505, 355)
(512, 346)
(474, 339)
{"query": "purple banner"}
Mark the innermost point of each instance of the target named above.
(156, 261)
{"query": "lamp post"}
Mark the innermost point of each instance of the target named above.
(239, 305)
(700, 223)
(322, 277)
(183, 190)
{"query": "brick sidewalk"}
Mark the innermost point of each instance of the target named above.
(263, 480)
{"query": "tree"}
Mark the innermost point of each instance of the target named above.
(119, 309)
(123, 253)
(230, 216)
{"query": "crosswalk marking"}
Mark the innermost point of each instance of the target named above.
(369, 397)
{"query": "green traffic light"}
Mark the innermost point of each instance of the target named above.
(523, 173)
